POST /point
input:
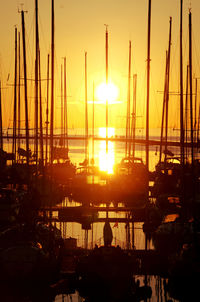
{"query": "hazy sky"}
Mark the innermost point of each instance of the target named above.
(79, 27)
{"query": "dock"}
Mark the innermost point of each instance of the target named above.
(81, 214)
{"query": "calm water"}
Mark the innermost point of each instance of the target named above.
(116, 151)
(158, 292)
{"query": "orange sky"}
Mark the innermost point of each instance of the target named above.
(79, 27)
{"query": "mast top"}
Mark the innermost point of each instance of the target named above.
(106, 25)
(20, 10)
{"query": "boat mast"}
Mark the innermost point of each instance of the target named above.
(61, 88)
(19, 121)
(163, 109)
(133, 124)
(93, 126)
(1, 127)
(148, 85)
(167, 88)
(41, 129)
(25, 87)
(15, 99)
(52, 84)
(181, 86)
(36, 81)
(47, 110)
(186, 111)
(107, 88)
(86, 112)
(195, 112)
(198, 123)
(128, 104)
(65, 105)
(166, 97)
(190, 77)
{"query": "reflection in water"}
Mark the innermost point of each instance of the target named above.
(115, 152)
(33, 294)
(106, 159)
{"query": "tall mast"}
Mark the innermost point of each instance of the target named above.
(190, 76)
(41, 129)
(15, 98)
(133, 124)
(163, 108)
(195, 113)
(36, 80)
(186, 110)
(148, 85)
(167, 83)
(65, 105)
(128, 102)
(25, 87)
(1, 127)
(47, 110)
(86, 111)
(52, 83)
(107, 89)
(61, 88)
(198, 123)
(19, 74)
(93, 127)
(181, 86)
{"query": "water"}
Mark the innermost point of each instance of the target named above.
(159, 294)
(116, 151)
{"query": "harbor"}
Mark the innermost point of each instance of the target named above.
(99, 191)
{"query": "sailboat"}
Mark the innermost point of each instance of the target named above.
(29, 251)
(88, 185)
(129, 183)
(168, 173)
(62, 168)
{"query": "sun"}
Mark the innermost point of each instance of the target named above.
(107, 92)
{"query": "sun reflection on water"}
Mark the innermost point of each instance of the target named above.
(106, 159)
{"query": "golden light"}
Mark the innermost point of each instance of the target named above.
(107, 93)
(106, 159)
(102, 132)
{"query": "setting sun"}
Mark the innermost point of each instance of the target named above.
(106, 92)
